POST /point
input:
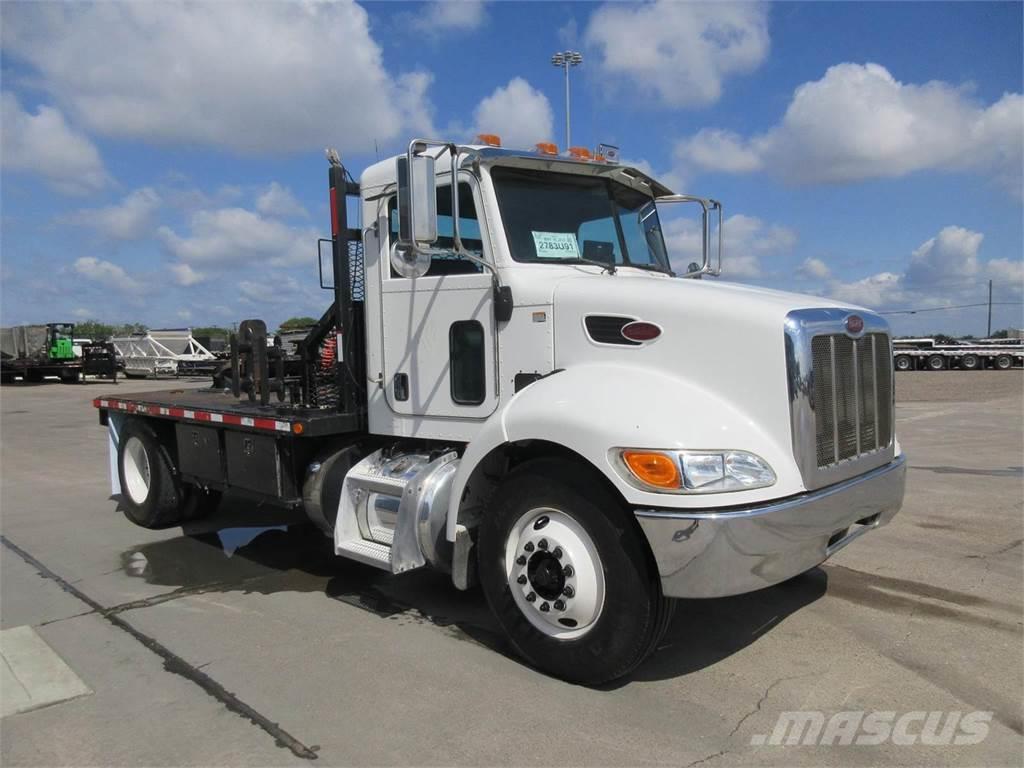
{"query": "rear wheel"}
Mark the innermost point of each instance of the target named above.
(568, 575)
(970, 362)
(150, 494)
(69, 377)
(936, 363)
(199, 502)
(1004, 362)
(904, 363)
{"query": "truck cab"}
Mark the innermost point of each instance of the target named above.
(534, 400)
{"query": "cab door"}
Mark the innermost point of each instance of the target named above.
(439, 333)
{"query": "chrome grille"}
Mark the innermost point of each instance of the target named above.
(851, 396)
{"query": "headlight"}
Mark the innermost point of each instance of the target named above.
(725, 471)
(694, 471)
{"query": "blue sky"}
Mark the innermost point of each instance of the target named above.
(163, 163)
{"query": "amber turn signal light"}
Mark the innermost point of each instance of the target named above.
(652, 468)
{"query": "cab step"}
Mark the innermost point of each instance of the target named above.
(387, 501)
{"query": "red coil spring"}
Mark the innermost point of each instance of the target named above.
(330, 353)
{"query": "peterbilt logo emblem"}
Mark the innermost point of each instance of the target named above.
(854, 324)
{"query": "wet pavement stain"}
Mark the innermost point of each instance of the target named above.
(885, 593)
(1008, 472)
(300, 558)
(937, 526)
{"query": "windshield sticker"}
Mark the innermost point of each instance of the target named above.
(556, 245)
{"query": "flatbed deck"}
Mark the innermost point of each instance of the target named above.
(215, 406)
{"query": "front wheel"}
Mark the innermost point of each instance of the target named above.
(568, 576)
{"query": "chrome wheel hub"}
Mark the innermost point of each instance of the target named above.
(555, 573)
(136, 470)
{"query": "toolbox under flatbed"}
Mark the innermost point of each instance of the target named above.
(216, 406)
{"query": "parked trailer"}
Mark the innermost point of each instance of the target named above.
(528, 405)
(165, 351)
(926, 354)
(34, 352)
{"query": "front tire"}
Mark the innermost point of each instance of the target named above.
(150, 493)
(568, 575)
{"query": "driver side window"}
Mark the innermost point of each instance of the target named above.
(469, 231)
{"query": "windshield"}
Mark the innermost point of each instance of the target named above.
(562, 217)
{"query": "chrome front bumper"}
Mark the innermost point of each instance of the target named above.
(713, 554)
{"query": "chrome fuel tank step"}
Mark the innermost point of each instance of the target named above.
(392, 510)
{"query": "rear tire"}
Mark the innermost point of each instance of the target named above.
(199, 502)
(150, 493)
(1004, 362)
(69, 377)
(936, 363)
(598, 619)
(970, 362)
(904, 363)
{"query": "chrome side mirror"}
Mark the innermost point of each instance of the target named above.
(708, 207)
(417, 201)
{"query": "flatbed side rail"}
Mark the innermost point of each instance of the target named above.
(316, 424)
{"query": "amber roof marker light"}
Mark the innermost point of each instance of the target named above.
(567, 60)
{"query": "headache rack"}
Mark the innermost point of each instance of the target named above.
(328, 373)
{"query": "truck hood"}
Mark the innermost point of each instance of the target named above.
(722, 338)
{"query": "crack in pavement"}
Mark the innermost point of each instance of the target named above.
(172, 662)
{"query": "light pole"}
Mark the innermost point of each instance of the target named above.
(565, 60)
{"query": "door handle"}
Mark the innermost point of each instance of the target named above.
(401, 386)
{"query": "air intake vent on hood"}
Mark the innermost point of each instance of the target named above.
(606, 329)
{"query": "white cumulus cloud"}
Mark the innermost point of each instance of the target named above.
(680, 53)
(45, 144)
(746, 240)
(183, 274)
(815, 269)
(279, 201)
(270, 76)
(131, 219)
(452, 16)
(106, 273)
(945, 270)
(231, 236)
(517, 112)
(860, 122)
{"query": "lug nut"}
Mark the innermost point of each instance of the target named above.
(568, 591)
(531, 597)
(559, 605)
(557, 552)
(542, 544)
(545, 607)
(521, 560)
(529, 546)
(521, 579)
(568, 571)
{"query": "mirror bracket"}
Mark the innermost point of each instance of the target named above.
(708, 207)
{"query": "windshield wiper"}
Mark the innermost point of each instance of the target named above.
(651, 268)
(604, 265)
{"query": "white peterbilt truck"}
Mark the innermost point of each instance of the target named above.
(512, 386)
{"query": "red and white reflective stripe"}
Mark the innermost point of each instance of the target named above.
(253, 422)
